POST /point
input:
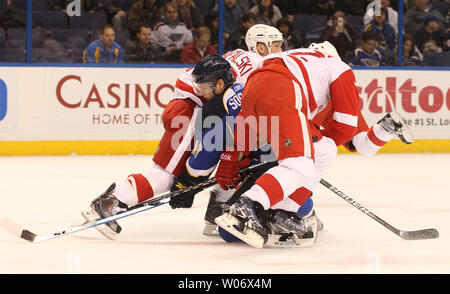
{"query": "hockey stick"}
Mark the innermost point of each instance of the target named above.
(406, 235)
(13, 228)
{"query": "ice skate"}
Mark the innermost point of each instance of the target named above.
(214, 209)
(290, 230)
(241, 220)
(393, 123)
(104, 206)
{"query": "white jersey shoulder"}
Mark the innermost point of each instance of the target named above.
(243, 63)
(185, 87)
(315, 72)
(320, 62)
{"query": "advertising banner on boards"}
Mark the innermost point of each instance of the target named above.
(126, 103)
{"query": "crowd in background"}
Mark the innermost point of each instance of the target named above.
(184, 31)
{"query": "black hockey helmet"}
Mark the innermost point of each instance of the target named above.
(211, 68)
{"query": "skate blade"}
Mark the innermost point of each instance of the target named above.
(315, 224)
(211, 230)
(293, 241)
(406, 135)
(230, 224)
(284, 241)
(92, 216)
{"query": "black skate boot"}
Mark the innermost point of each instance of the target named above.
(243, 222)
(288, 229)
(393, 123)
(104, 206)
(213, 210)
(285, 222)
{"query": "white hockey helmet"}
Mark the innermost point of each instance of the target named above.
(326, 48)
(261, 33)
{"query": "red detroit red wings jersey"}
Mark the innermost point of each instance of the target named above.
(323, 79)
(272, 92)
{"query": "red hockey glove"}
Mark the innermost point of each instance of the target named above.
(227, 175)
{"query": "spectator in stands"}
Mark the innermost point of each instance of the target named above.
(143, 12)
(12, 17)
(104, 50)
(350, 7)
(90, 5)
(189, 14)
(232, 17)
(321, 7)
(391, 18)
(431, 37)
(171, 34)
(266, 12)
(379, 26)
(341, 34)
(414, 17)
(86, 5)
(410, 56)
(195, 51)
(53, 52)
(442, 6)
(211, 20)
(57, 4)
(409, 4)
(143, 50)
(289, 8)
(290, 41)
(245, 5)
(237, 39)
(116, 10)
(367, 54)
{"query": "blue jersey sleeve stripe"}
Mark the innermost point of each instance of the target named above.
(225, 100)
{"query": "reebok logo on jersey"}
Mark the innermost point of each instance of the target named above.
(225, 157)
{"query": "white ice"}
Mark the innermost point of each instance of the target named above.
(46, 194)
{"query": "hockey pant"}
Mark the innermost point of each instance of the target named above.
(288, 185)
(170, 158)
(371, 141)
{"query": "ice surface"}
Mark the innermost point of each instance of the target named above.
(45, 194)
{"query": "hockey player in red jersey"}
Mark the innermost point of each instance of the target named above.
(367, 141)
(293, 86)
(316, 80)
(174, 147)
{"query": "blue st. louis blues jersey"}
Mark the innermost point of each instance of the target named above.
(214, 128)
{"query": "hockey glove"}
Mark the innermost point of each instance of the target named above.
(227, 175)
(184, 200)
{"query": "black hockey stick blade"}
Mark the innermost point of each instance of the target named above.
(419, 235)
(27, 235)
(13, 228)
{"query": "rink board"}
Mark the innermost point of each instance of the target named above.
(117, 110)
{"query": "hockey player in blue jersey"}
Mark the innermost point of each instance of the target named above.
(214, 126)
(215, 82)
